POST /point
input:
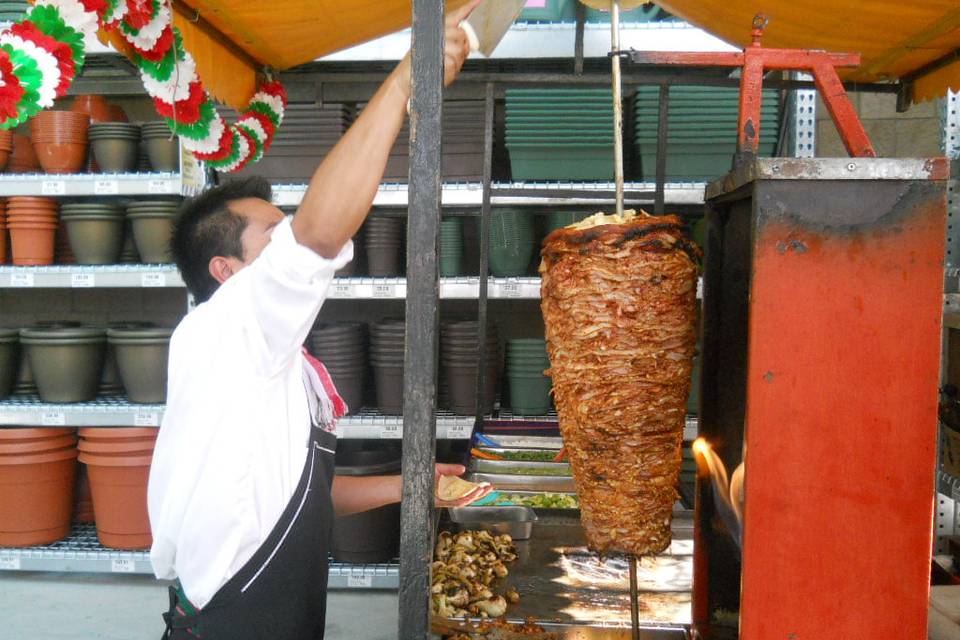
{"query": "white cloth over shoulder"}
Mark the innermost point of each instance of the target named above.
(234, 436)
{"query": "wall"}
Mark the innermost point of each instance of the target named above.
(915, 133)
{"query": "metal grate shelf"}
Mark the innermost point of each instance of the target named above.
(88, 276)
(81, 552)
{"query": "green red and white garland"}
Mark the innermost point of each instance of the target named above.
(42, 54)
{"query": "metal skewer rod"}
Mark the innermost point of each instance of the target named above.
(617, 103)
(634, 604)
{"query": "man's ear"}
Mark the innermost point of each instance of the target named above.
(220, 268)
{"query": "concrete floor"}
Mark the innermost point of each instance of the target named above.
(59, 606)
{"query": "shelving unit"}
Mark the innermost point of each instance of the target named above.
(81, 552)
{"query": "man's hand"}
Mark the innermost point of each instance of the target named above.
(457, 470)
(456, 48)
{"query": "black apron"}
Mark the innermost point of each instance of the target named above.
(281, 592)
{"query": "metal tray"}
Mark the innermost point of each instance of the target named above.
(523, 442)
(515, 521)
(512, 467)
(508, 450)
(511, 482)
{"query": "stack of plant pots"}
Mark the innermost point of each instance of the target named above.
(23, 159)
(142, 354)
(511, 242)
(118, 465)
(25, 384)
(162, 147)
(560, 219)
(128, 254)
(383, 242)
(9, 360)
(32, 222)
(62, 253)
(95, 231)
(451, 247)
(3, 232)
(60, 140)
(152, 224)
(369, 536)
(387, 349)
(38, 470)
(66, 362)
(340, 348)
(460, 361)
(6, 147)
(110, 378)
(116, 146)
(529, 386)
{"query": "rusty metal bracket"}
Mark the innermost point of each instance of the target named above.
(754, 61)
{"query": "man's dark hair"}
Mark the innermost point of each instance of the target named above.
(207, 227)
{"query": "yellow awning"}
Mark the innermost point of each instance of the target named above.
(896, 38)
(233, 39)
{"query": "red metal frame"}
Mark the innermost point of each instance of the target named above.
(756, 60)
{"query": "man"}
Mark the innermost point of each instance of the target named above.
(242, 494)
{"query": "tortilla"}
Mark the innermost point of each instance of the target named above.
(452, 488)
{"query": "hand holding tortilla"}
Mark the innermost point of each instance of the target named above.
(452, 491)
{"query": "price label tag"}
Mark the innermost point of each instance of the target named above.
(160, 186)
(391, 432)
(21, 279)
(384, 290)
(146, 419)
(359, 582)
(106, 187)
(53, 187)
(10, 564)
(459, 431)
(122, 565)
(510, 290)
(53, 419)
(342, 290)
(82, 280)
(153, 280)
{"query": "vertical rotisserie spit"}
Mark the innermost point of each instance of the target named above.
(619, 304)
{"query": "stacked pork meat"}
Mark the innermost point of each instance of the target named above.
(619, 303)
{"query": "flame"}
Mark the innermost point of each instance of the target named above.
(728, 497)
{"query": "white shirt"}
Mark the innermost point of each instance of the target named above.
(234, 436)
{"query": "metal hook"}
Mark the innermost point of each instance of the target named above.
(760, 21)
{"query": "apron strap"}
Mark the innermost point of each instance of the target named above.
(176, 618)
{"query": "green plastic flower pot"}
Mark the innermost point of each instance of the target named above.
(9, 360)
(529, 394)
(66, 363)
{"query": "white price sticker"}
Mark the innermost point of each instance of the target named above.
(384, 290)
(146, 419)
(21, 279)
(53, 419)
(459, 431)
(359, 582)
(341, 290)
(10, 564)
(153, 280)
(510, 290)
(106, 187)
(82, 280)
(53, 187)
(122, 565)
(160, 186)
(391, 431)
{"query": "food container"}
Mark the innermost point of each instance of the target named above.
(514, 482)
(521, 454)
(521, 442)
(540, 509)
(513, 467)
(515, 521)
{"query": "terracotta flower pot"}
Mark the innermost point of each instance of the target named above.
(36, 497)
(134, 448)
(69, 157)
(18, 447)
(32, 245)
(83, 497)
(119, 487)
(4, 249)
(22, 434)
(96, 107)
(115, 434)
(22, 159)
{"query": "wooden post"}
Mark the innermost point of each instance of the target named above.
(422, 308)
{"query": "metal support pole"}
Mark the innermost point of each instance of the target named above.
(634, 605)
(617, 102)
(484, 253)
(663, 129)
(581, 18)
(422, 309)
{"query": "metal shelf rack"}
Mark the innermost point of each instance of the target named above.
(86, 276)
(81, 552)
(91, 184)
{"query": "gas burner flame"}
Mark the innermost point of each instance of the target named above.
(728, 493)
